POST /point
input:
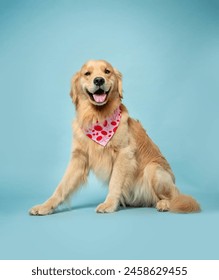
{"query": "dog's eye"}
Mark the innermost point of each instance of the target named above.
(107, 71)
(87, 73)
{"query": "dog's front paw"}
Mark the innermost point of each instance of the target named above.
(41, 210)
(107, 207)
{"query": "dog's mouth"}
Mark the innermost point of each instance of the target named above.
(99, 96)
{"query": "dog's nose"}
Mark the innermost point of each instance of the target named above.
(99, 81)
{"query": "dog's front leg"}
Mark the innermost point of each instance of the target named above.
(75, 175)
(122, 175)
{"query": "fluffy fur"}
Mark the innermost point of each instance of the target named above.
(136, 171)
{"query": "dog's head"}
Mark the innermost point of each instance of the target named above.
(98, 82)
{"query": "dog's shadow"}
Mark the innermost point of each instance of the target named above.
(83, 206)
(93, 206)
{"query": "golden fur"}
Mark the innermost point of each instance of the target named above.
(133, 166)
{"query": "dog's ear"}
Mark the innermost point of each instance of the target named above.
(119, 82)
(74, 88)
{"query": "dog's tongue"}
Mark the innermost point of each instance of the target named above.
(100, 98)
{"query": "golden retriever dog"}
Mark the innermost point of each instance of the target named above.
(116, 147)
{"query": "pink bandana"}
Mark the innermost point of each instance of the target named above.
(101, 133)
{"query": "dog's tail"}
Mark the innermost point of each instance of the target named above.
(184, 204)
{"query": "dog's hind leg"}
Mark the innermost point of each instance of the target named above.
(161, 185)
(169, 197)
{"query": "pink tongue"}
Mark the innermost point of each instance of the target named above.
(99, 98)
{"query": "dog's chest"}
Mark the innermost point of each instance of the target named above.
(101, 161)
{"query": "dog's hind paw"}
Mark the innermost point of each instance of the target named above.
(163, 205)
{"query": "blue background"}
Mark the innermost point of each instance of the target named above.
(168, 52)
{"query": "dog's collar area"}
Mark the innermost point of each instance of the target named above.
(102, 133)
